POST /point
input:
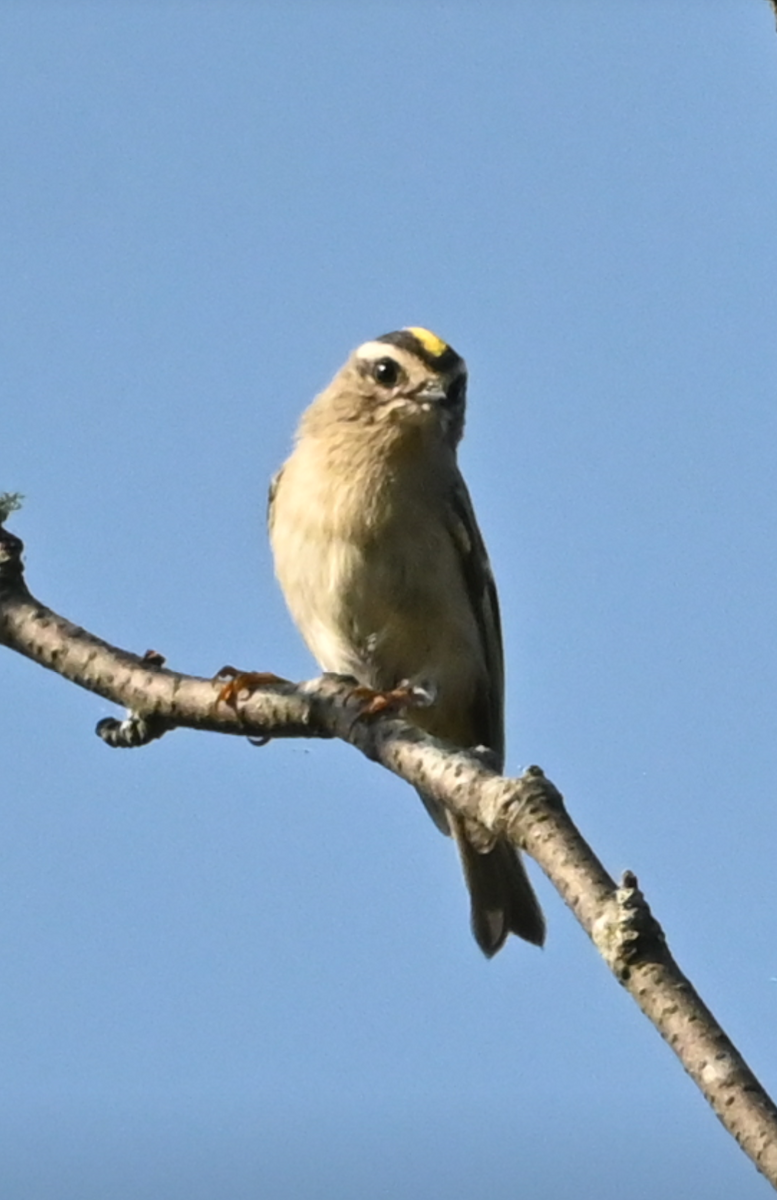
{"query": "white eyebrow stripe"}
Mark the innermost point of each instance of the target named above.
(371, 350)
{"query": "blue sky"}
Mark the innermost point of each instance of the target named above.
(249, 973)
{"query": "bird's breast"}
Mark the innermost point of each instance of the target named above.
(374, 585)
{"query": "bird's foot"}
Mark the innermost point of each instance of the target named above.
(240, 682)
(393, 700)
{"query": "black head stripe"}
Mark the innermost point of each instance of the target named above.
(445, 363)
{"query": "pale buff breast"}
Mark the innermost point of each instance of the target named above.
(365, 592)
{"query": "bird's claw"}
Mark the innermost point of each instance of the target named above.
(393, 700)
(239, 682)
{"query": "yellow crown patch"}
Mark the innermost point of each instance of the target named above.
(429, 341)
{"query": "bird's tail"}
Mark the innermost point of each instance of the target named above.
(503, 900)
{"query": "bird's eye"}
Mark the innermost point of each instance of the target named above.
(386, 371)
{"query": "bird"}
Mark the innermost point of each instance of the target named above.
(385, 573)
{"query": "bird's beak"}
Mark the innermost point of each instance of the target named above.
(433, 393)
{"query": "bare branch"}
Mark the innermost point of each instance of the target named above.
(529, 811)
(10, 502)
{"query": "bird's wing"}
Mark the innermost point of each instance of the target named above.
(488, 717)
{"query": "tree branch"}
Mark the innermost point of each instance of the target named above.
(529, 811)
